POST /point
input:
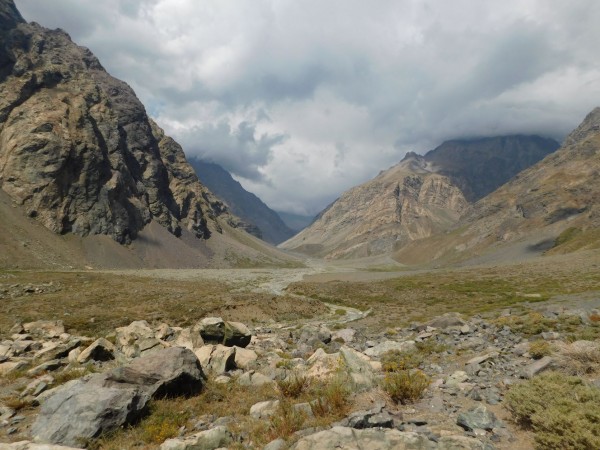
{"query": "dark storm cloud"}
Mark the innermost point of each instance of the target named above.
(302, 100)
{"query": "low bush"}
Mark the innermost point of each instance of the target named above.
(405, 386)
(332, 398)
(579, 357)
(563, 411)
(539, 349)
(396, 360)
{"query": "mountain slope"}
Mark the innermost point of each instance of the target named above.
(404, 203)
(247, 206)
(480, 166)
(296, 222)
(561, 192)
(79, 155)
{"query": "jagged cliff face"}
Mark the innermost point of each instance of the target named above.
(404, 203)
(77, 149)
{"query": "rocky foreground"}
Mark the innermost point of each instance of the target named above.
(69, 391)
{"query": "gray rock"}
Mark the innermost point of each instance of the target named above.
(536, 367)
(253, 378)
(277, 444)
(374, 418)
(79, 411)
(26, 445)
(379, 349)
(216, 359)
(46, 328)
(312, 336)
(358, 367)
(478, 417)
(86, 408)
(211, 329)
(217, 437)
(99, 350)
(372, 439)
(263, 410)
(169, 372)
(48, 366)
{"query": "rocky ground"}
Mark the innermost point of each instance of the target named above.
(67, 390)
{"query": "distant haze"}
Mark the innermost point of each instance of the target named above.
(301, 100)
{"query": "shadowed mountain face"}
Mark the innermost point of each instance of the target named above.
(480, 166)
(264, 222)
(77, 149)
(297, 222)
(404, 203)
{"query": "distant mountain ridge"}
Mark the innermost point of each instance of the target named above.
(479, 166)
(420, 197)
(553, 206)
(265, 223)
(401, 204)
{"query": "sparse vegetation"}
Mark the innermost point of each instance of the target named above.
(331, 398)
(396, 360)
(562, 411)
(579, 358)
(293, 386)
(538, 349)
(405, 386)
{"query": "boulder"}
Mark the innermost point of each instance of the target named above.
(358, 367)
(478, 417)
(211, 329)
(253, 378)
(99, 350)
(136, 338)
(188, 339)
(536, 367)
(216, 359)
(237, 334)
(170, 372)
(244, 357)
(372, 439)
(46, 328)
(312, 336)
(263, 410)
(217, 437)
(88, 407)
(322, 365)
(26, 445)
(79, 411)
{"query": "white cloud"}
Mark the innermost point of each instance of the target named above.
(301, 100)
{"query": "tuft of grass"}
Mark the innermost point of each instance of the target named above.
(16, 403)
(396, 360)
(405, 386)
(538, 349)
(332, 398)
(72, 373)
(293, 386)
(579, 357)
(286, 421)
(563, 411)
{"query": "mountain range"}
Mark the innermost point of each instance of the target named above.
(420, 197)
(88, 179)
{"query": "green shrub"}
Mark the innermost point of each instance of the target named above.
(406, 385)
(396, 360)
(562, 411)
(286, 421)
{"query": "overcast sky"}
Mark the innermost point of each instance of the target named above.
(302, 99)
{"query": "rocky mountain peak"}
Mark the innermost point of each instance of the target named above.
(77, 149)
(589, 127)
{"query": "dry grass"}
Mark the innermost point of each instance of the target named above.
(95, 304)
(293, 386)
(415, 298)
(579, 357)
(538, 349)
(396, 360)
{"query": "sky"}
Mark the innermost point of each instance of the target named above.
(303, 99)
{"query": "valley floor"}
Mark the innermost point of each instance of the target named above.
(506, 311)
